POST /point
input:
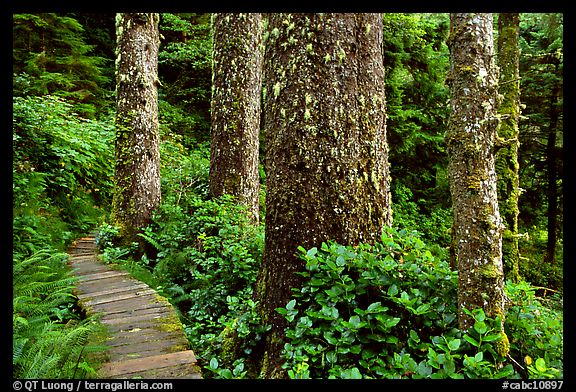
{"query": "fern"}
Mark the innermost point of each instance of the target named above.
(149, 237)
(48, 340)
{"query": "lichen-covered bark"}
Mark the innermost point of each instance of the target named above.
(507, 157)
(551, 157)
(137, 170)
(235, 109)
(327, 154)
(477, 226)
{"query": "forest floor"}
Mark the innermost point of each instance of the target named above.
(145, 338)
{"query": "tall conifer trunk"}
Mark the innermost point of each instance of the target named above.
(327, 154)
(552, 188)
(507, 158)
(137, 170)
(235, 108)
(477, 226)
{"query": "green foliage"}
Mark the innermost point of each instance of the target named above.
(50, 56)
(535, 329)
(541, 86)
(434, 226)
(61, 162)
(207, 252)
(50, 337)
(416, 62)
(184, 171)
(185, 69)
(389, 311)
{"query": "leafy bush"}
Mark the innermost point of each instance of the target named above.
(389, 311)
(535, 329)
(205, 254)
(63, 159)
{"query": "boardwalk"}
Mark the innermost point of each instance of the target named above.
(145, 338)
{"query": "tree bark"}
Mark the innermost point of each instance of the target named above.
(327, 154)
(507, 158)
(137, 171)
(552, 189)
(477, 226)
(235, 108)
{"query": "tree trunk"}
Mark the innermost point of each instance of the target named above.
(552, 191)
(327, 154)
(477, 226)
(235, 108)
(507, 158)
(137, 172)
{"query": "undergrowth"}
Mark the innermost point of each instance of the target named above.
(51, 336)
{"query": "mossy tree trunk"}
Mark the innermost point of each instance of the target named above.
(552, 173)
(327, 154)
(507, 157)
(235, 108)
(477, 226)
(137, 170)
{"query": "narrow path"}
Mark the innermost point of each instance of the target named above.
(146, 339)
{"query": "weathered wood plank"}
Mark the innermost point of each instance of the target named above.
(149, 308)
(102, 275)
(133, 288)
(156, 362)
(116, 298)
(139, 317)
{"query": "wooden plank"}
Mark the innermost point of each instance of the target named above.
(163, 346)
(113, 282)
(112, 369)
(184, 371)
(73, 259)
(122, 304)
(148, 308)
(140, 317)
(138, 294)
(128, 288)
(103, 275)
(122, 338)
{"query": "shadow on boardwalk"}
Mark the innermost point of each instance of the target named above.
(145, 336)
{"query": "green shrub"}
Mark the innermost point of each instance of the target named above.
(388, 310)
(535, 329)
(62, 162)
(208, 256)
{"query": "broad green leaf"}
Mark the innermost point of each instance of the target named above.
(480, 327)
(353, 373)
(213, 363)
(454, 344)
(471, 340)
(290, 305)
(492, 337)
(541, 365)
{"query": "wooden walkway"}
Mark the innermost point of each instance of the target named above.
(145, 339)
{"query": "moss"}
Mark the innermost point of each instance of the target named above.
(230, 345)
(490, 271)
(502, 346)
